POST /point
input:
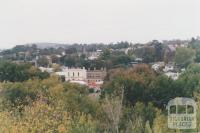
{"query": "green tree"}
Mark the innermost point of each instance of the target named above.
(121, 59)
(106, 54)
(149, 54)
(158, 50)
(184, 56)
(43, 61)
(197, 59)
(189, 81)
(19, 72)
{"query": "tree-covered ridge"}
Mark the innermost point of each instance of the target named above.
(113, 55)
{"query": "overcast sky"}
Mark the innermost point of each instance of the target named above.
(88, 21)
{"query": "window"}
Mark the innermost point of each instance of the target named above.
(73, 74)
(78, 74)
(181, 109)
(190, 109)
(173, 109)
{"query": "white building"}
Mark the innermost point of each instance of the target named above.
(138, 59)
(172, 75)
(73, 74)
(44, 69)
(168, 68)
(94, 55)
(157, 66)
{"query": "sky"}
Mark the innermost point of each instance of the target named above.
(96, 21)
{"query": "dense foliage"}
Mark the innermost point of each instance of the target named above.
(14, 72)
(133, 100)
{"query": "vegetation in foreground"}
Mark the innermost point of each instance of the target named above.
(133, 101)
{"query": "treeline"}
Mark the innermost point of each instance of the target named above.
(70, 55)
(68, 48)
(14, 72)
(107, 59)
(112, 55)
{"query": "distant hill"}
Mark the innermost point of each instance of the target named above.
(49, 45)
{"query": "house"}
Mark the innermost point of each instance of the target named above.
(46, 69)
(94, 55)
(138, 59)
(73, 74)
(157, 66)
(172, 75)
(168, 68)
(96, 76)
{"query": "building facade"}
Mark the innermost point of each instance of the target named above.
(92, 78)
(96, 75)
(73, 74)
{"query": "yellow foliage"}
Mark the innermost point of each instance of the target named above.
(39, 117)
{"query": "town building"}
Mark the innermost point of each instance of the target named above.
(92, 78)
(172, 75)
(94, 55)
(44, 69)
(73, 74)
(168, 67)
(156, 66)
(138, 59)
(96, 76)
